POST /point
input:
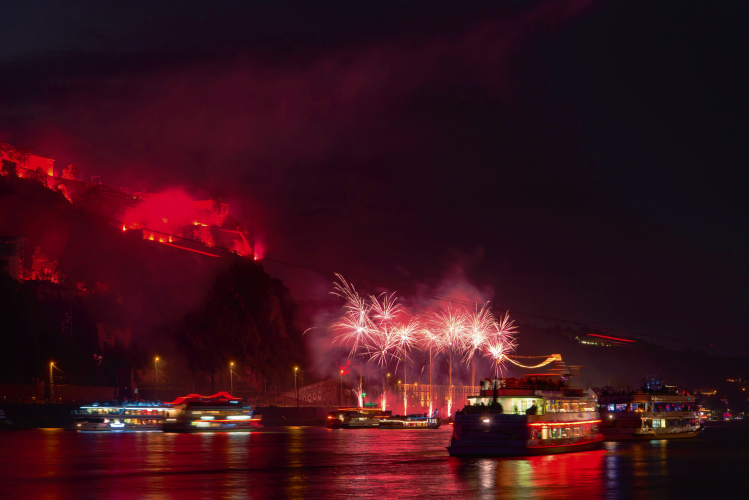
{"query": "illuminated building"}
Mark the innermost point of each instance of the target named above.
(22, 158)
(46, 163)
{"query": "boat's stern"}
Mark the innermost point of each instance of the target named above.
(512, 434)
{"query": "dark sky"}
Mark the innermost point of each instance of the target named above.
(572, 158)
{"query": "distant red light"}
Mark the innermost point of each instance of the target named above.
(611, 338)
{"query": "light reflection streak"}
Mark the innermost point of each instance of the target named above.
(487, 473)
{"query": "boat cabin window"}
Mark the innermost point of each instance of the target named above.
(564, 406)
(519, 406)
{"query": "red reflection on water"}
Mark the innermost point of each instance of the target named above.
(284, 463)
(568, 475)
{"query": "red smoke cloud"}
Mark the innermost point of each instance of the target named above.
(221, 124)
(163, 211)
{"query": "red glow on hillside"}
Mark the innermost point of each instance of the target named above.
(259, 250)
(173, 206)
(164, 217)
(172, 215)
(43, 268)
(71, 172)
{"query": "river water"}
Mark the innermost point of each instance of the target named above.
(314, 462)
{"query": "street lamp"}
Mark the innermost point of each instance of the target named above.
(341, 387)
(231, 378)
(51, 382)
(296, 391)
(156, 375)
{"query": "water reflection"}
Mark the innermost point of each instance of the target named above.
(324, 463)
(576, 475)
(487, 471)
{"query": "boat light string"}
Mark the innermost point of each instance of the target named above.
(543, 363)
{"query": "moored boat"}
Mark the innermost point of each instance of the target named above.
(357, 418)
(536, 415)
(656, 411)
(220, 412)
(118, 416)
(413, 421)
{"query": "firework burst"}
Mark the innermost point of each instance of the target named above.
(354, 331)
(501, 342)
(377, 327)
(407, 337)
(355, 324)
(478, 326)
(449, 324)
(381, 344)
(385, 311)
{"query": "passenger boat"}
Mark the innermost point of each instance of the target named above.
(656, 411)
(221, 412)
(535, 415)
(414, 421)
(109, 416)
(356, 418)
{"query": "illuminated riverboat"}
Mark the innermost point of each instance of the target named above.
(109, 416)
(414, 421)
(535, 415)
(218, 413)
(656, 411)
(357, 418)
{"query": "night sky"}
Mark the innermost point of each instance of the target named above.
(583, 160)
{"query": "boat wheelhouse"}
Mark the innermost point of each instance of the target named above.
(656, 411)
(357, 418)
(413, 421)
(108, 416)
(221, 412)
(535, 415)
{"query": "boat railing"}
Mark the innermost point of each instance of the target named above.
(560, 441)
(661, 430)
(108, 411)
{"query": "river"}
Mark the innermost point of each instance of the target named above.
(314, 462)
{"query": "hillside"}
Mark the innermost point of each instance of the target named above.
(626, 366)
(197, 312)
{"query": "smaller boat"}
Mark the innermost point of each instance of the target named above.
(218, 413)
(413, 421)
(357, 418)
(656, 411)
(111, 416)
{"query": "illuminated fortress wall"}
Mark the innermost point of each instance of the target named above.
(46, 163)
